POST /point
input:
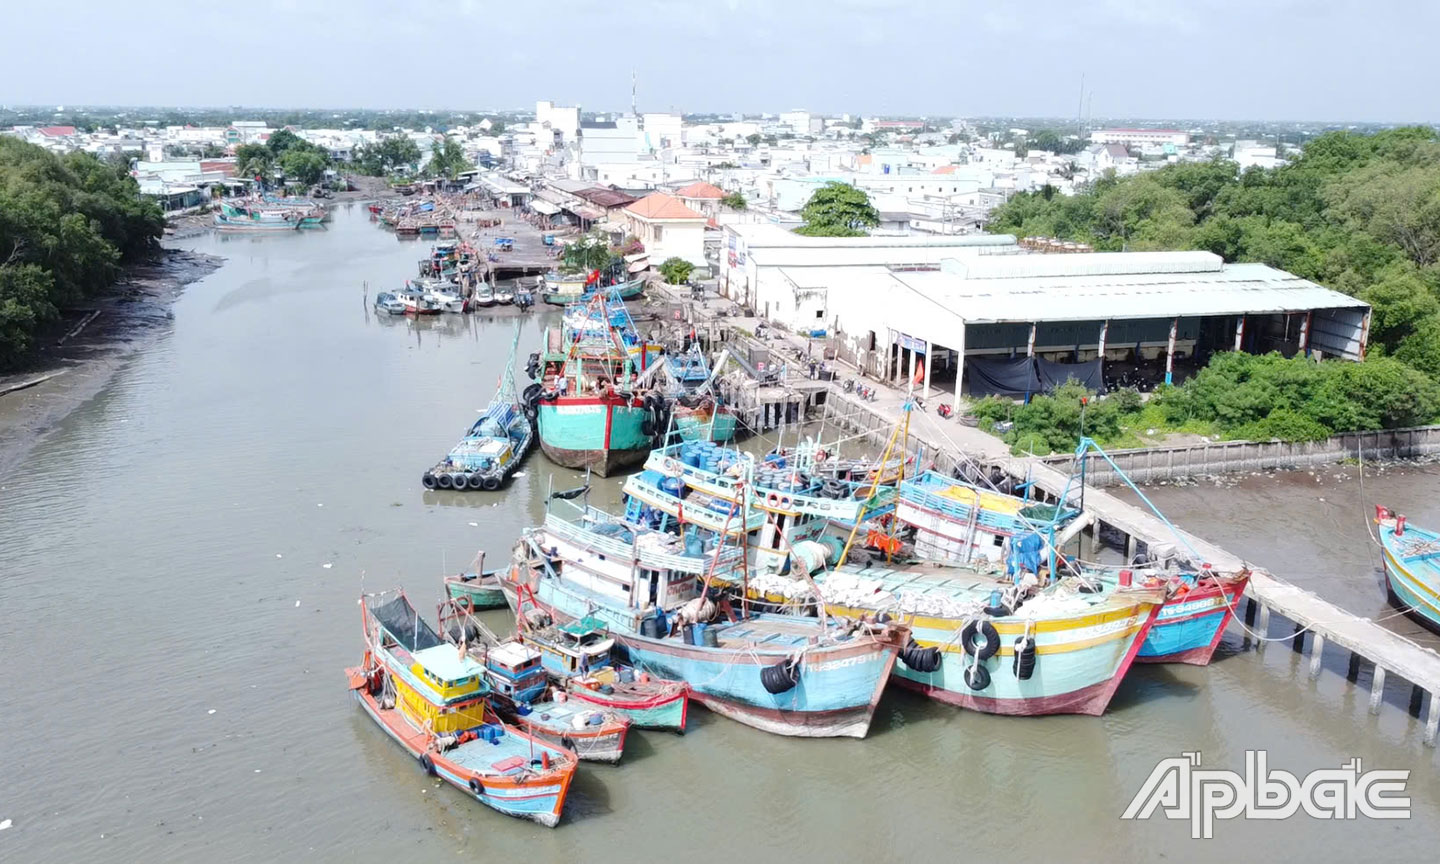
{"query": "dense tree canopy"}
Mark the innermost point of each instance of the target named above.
(389, 154)
(1357, 213)
(447, 160)
(67, 224)
(838, 210)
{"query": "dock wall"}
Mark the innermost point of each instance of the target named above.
(1171, 463)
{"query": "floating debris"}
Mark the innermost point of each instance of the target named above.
(327, 565)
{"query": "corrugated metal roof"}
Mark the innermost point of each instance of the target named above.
(1090, 264)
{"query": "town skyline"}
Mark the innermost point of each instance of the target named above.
(1221, 59)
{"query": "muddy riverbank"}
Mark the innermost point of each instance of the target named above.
(125, 320)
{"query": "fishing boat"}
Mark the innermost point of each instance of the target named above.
(476, 588)
(433, 701)
(961, 522)
(520, 686)
(504, 295)
(578, 656)
(1412, 567)
(783, 674)
(703, 418)
(980, 645)
(389, 304)
(567, 289)
(250, 217)
(484, 296)
(493, 447)
(774, 504)
(588, 412)
(417, 302)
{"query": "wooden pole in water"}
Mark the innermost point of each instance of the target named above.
(1432, 725)
(1317, 644)
(1264, 629)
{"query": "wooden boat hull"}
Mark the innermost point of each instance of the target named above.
(1189, 628)
(479, 593)
(1079, 663)
(667, 712)
(605, 435)
(605, 743)
(539, 796)
(1406, 585)
(840, 685)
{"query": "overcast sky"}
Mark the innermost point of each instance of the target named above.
(1362, 60)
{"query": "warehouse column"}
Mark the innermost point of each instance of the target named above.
(1100, 351)
(1170, 351)
(1239, 332)
(1305, 334)
(910, 381)
(1030, 346)
(959, 367)
(929, 361)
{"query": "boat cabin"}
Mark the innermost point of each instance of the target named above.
(515, 671)
(583, 646)
(452, 675)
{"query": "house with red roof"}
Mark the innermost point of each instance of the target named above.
(668, 228)
(704, 198)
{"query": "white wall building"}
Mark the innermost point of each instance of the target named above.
(663, 131)
(1140, 137)
(562, 121)
(668, 229)
(608, 143)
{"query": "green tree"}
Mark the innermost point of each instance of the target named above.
(735, 201)
(305, 166)
(447, 160)
(838, 210)
(590, 252)
(254, 160)
(283, 140)
(754, 139)
(676, 270)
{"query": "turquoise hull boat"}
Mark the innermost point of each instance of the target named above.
(1412, 568)
(783, 674)
(604, 434)
(718, 427)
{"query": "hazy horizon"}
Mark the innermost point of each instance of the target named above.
(1325, 61)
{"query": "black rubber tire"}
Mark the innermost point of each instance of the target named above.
(459, 481)
(490, 483)
(833, 489)
(977, 677)
(427, 763)
(779, 678)
(443, 481)
(530, 412)
(1000, 610)
(923, 660)
(475, 481)
(531, 394)
(428, 480)
(475, 788)
(1024, 665)
(647, 427)
(986, 631)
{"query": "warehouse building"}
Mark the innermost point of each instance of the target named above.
(1015, 324)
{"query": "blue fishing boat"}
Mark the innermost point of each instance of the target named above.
(579, 656)
(789, 675)
(1412, 567)
(387, 303)
(520, 689)
(493, 447)
(434, 701)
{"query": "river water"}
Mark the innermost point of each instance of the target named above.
(180, 567)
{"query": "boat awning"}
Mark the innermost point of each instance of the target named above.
(543, 207)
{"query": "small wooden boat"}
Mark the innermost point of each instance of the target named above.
(493, 447)
(520, 686)
(389, 304)
(477, 589)
(434, 701)
(484, 296)
(504, 296)
(578, 656)
(1412, 567)
(416, 302)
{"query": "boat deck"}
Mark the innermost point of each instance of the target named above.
(768, 631)
(509, 754)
